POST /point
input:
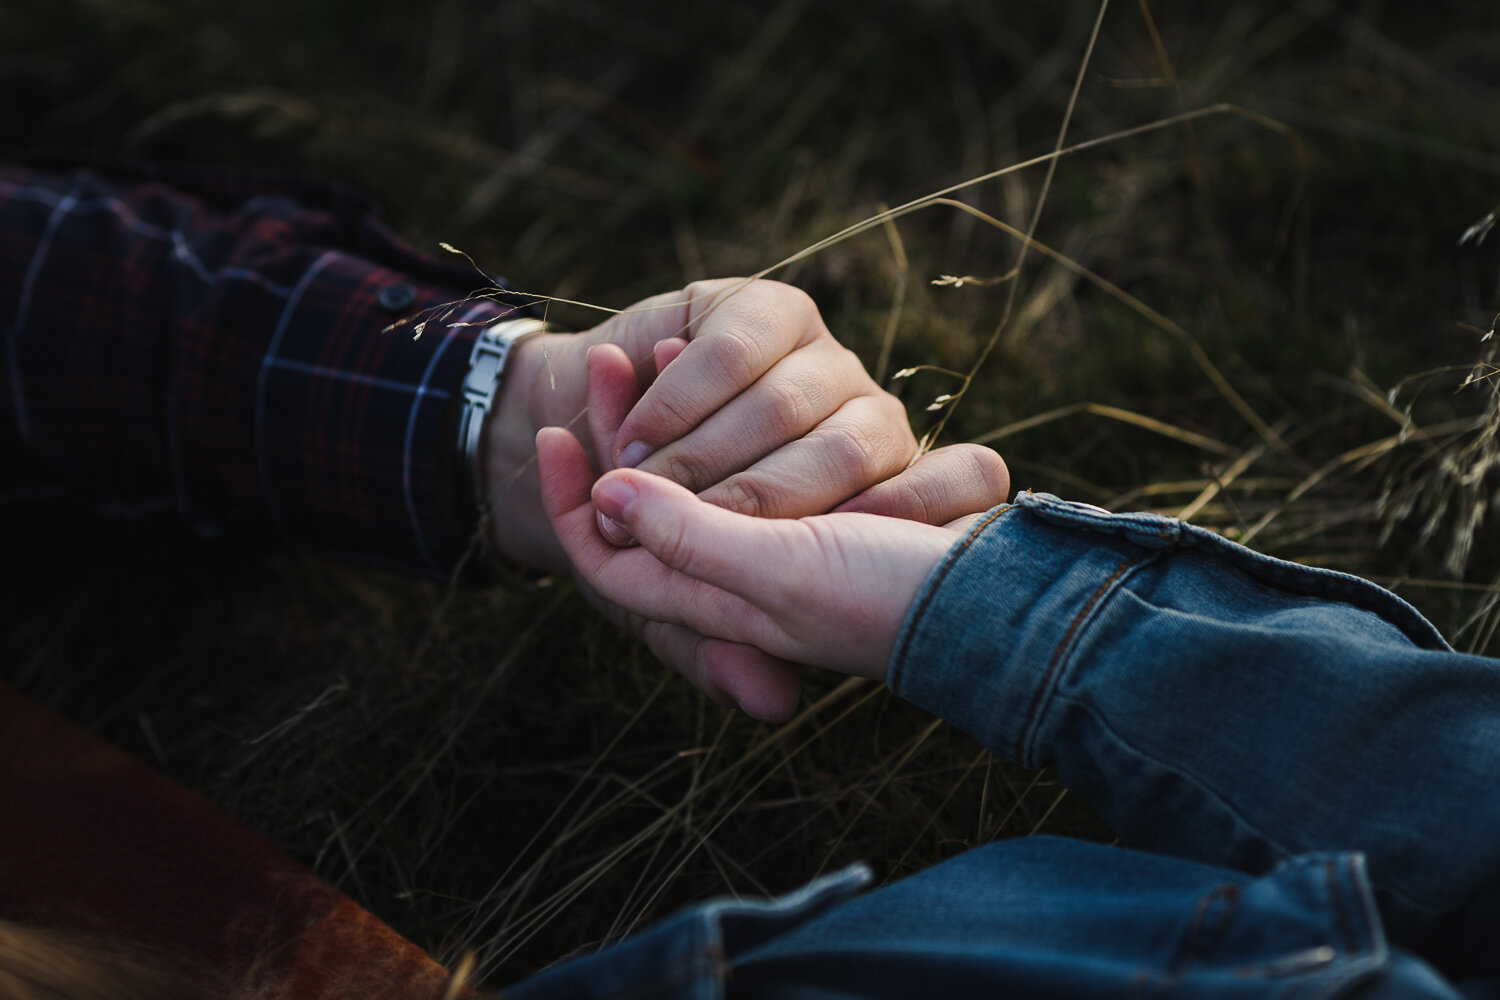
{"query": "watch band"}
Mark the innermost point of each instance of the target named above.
(481, 385)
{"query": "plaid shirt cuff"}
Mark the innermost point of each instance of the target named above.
(224, 346)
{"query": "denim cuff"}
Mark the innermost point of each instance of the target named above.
(1000, 616)
(995, 616)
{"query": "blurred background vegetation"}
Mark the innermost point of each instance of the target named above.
(1260, 320)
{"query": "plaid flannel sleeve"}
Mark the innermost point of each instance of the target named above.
(217, 345)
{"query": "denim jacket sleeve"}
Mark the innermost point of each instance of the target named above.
(1220, 705)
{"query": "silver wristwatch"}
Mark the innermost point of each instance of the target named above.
(481, 385)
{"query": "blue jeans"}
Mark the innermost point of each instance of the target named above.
(1305, 776)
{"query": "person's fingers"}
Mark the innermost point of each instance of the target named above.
(828, 590)
(962, 525)
(636, 579)
(763, 686)
(797, 394)
(942, 485)
(638, 328)
(565, 480)
(676, 646)
(667, 351)
(612, 392)
(744, 556)
(865, 441)
(737, 330)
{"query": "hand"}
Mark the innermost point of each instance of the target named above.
(831, 590)
(759, 411)
(935, 489)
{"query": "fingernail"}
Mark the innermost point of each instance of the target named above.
(613, 496)
(633, 454)
(612, 532)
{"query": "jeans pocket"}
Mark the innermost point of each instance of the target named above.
(1308, 929)
(687, 956)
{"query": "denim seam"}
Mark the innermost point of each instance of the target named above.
(1197, 782)
(686, 971)
(1316, 581)
(1336, 904)
(1208, 927)
(1054, 666)
(936, 584)
(1285, 853)
(1357, 906)
(1357, 962)
(1215, 912)
(1280, 574)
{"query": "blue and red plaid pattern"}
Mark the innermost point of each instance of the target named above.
(212, 344)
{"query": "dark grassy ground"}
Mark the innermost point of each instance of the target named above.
(413, 745)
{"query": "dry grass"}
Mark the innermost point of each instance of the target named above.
(1205, 316)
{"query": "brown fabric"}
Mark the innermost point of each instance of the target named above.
(91, 839)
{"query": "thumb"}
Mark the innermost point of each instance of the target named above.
(734, 552)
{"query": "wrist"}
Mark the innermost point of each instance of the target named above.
(527, 401)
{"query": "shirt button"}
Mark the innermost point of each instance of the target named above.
(394, 298)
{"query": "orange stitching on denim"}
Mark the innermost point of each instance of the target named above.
(1054, 665)
(1208, 928)
(932, 591)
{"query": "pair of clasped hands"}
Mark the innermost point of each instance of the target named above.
(759, 506)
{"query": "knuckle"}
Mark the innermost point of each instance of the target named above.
(709, 286)
(899, 426)
(659, 638)
(703, 296)
(673, 409)
(783, 295)
(799, 304)
(853, 451)
(841, 369)
(881, 438)
(912, 501)
(673, 548)
(754, 496)
(738, 354)
(694, 666)
(792, 409)
(694, 289)
(678, 650)
(853, 369)
(894, 410)
(683, 468)
(887, 414)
